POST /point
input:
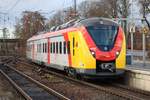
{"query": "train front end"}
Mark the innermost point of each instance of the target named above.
(106, 43)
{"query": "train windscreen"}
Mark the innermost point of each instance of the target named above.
(103, 35)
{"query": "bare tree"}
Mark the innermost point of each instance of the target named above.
(30, 24)
(145, 10)
(61, 17)
(102, 8)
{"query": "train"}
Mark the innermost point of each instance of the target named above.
(92, 47)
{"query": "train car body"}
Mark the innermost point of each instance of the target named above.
(92, 47)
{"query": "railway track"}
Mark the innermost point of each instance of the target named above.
(143, 93)
(135, 93)
(116, 90)
(28, 87)
(119, 91)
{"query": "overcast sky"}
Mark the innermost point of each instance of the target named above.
(14, 8)
(45, 5)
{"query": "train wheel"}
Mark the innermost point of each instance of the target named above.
(71, 72)
(80, 77)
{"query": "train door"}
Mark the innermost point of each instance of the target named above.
(44, 50)
(32, 50)
(75, 50)
(58, 50)
(38, 50)
(48, 51)
(35, 50)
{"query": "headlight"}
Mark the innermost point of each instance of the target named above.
(93, 53)
(117, 53)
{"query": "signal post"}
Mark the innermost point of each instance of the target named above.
(132, 31)
(144, 31)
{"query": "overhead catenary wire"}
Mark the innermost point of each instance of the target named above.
(6, 17)
(13, 6)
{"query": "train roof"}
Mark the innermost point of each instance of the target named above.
(48, 34)
(96, 21)
(82, 22)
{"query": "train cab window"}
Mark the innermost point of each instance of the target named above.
(68, 47)
(56, 47)
(103, 35)
(64, 47)
(60, 47)
(53, 47)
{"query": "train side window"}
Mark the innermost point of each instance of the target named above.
(64, 47)
(68, 47)
(50, 48)
(30, 47)
(40, 48)
(37, 47)
(56, 47)
(46, 47)
(60, 47)
(53, 47)
(43, 47)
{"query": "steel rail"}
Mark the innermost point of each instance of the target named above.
(41, 85)
(131, 89)
(24, 94)
(49, 90)
(101, 88)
